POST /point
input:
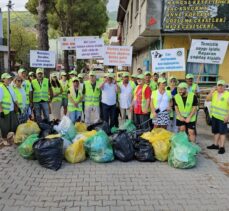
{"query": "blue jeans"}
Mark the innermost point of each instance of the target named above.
(41, 107)
(75, 116)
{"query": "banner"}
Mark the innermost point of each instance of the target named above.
(207, 51)
(168, 60)
(67, 43)
(118, 56)
(89, 48)
(195, 16)
(43, 59)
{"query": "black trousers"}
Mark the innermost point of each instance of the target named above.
(140, 121)
(109, 114)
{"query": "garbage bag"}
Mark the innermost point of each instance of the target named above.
(81, 127)
(114, 130)
(89, 134)
(123, 146)
(25, 130)
(66, 128)
(183, 153)
(49, 152)
(75, 153)
(26, 148)
(99, 148)
(128, 126)
(160, 140)
(79, 137)
(143, 150)
(100, 126)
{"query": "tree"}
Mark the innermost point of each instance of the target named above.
(75, 17)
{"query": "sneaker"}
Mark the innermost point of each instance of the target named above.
(221, 150)
(213, 146)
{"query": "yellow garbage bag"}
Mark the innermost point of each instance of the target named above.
(25, 130)
(89, 134)
(52, 136)
(75, 153)
(80, 127)
(160, 140)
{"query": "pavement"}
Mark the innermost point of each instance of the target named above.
(116, 186)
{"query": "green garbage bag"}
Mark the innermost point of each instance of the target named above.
(99, 148)
(128, 126)
(114, 130)
(26, 148)
(183, 153)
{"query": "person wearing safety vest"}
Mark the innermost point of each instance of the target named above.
(56, 101)
(75, 97)
(192, 87)
(65, 86)
(172, 87)
(161, 103)
(141, 104)
(109, 90)
(21, 96)
(72, 74)
(26, 84)
(32, 76)
(41, 95)
(219, 98)
(8, 117)
(149, 82)
(125, 96)
(81, 77)
(92, 93)
(186, 108)
(134, 79)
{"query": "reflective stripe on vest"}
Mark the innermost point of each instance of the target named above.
(71, 106)
(92, 97)
(19, 97)
(219, 107)
(40, 92)
(193, 88)
(187, 109)
(27, 90)
(56, 90)
(65, 87)
(6, 101)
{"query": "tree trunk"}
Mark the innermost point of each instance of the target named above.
(43, 40)
(66, 63)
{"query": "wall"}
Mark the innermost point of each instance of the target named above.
(185, 42)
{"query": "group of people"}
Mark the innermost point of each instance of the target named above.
(149, 100)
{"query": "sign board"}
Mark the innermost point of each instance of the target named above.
(118, 56)
(67, 43)
(43, 59)
(195, 16)
(207, 51)
(89, 48)
(168, 60)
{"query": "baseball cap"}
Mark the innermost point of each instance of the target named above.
(21, 70)
(63, 73)
(221, 82)
(189, 76)
(147, 73)
(133, 76)
(39, 70)
(92, 73)
(75, 79)
(6, 76)
(31, 73)
(161, 80)
(183, 85)
(140, 76)
(125, 75)
(54, 75)
(73, 72)
(81, 75)
(110, 75)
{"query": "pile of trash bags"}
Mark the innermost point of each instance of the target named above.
(52, 142)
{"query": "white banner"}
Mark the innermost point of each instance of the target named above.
(207, 51)
(67, 43)
(89, 48)
(118, 56)
(168, 60)
(43, 59)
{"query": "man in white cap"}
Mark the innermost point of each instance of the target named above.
(65, 86)
(219, 98)
(42, 94)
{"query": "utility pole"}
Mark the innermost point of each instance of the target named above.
(9, 5)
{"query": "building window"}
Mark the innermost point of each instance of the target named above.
(131, 13)
(207, 73)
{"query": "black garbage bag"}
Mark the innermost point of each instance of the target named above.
(143, 150)
(49, 152)
(47, 128)
(100, 126)
(123, 146)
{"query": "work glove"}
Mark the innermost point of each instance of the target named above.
(2, 115)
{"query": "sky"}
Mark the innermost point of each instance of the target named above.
(19, 5)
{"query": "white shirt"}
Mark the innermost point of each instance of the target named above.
(163, 100)
(125, 97)
(12, 94)
(109, 94)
